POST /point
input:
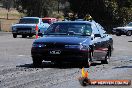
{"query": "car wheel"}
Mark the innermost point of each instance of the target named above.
(118, 34)
(30, 35)
(24, 36)
(14, 35)
(107, 57)
(37, 62)
(88, 60)
(128, 33)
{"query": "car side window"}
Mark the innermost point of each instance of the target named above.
(101, 30)
(88, 30)
(95, 29)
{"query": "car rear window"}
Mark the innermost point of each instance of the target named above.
(130, 24)
(29, 21)
(46, 21)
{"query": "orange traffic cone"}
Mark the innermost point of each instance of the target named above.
(36, 28)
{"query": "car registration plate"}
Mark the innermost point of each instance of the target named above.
(24, 31)
(55, 52)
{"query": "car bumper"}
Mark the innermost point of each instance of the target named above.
(66, 55)
(24, 32)
(121, 31)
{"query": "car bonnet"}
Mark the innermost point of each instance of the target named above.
(64, 39)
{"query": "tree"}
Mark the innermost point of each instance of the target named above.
(109, 13)
(32, 7)
(39, 8)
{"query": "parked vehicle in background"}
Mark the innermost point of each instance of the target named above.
(49, 20)
(126, 30)
(73, 41)
(26, 27)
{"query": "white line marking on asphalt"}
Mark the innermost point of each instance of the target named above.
(21, 55)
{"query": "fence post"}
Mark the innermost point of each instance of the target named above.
(0, 25)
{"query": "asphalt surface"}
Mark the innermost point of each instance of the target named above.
(17, 71)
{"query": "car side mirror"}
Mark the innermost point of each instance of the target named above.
(97, 35)
(71, 32)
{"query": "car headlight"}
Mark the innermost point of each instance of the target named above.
(83, 47)
(72, 46)
(124, 30)
(38, 45)
(13, 28)
(80, 47)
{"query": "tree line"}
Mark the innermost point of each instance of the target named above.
(41, 8)
(109, 13)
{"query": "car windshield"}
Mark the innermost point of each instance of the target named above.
(29, 21)
(46, 21)
(69, 29)
(130, 24)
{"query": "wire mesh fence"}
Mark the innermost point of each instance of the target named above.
(8, 18)
(5, 25)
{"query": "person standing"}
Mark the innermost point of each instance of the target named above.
(88, 17)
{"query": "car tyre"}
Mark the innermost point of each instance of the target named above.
(107, 57)
(14, 35)
(88, 60)
(128, 33)
(37, 62)
(118, 34)
(30, 35)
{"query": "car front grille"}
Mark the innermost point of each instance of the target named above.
(118, 29)
(20, 29)
(54, 45)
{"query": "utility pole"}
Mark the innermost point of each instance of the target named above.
(8, 7)
(0, 25)
(58, 6)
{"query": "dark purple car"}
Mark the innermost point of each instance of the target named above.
(73, 41)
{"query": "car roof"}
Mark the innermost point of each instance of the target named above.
(85, 22)
(48, 18)
(130, 23)
(31, 17)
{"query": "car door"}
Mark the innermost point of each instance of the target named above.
(97, 42)
(103, 41)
